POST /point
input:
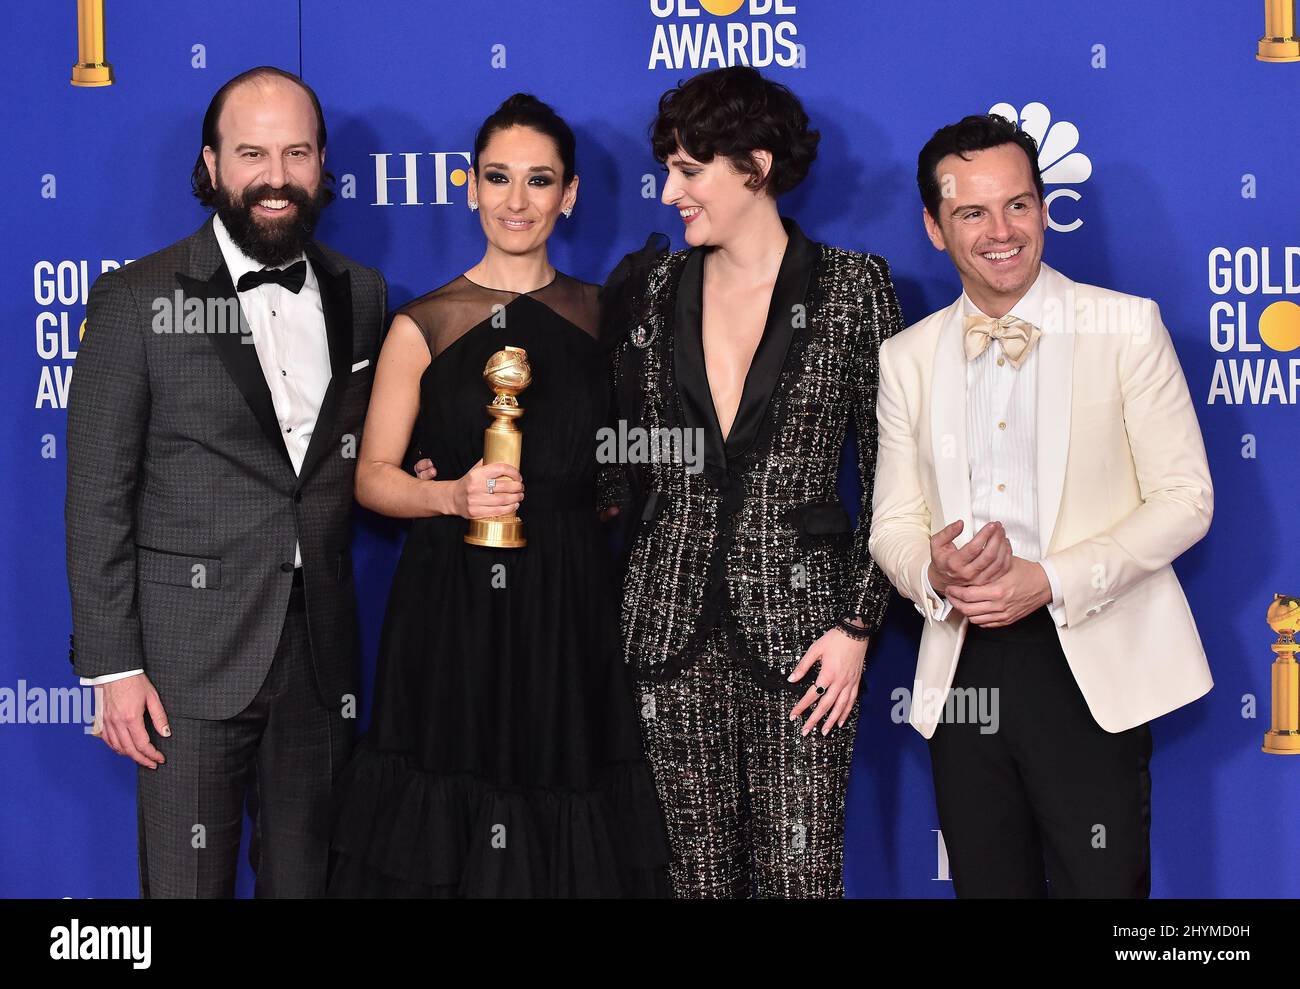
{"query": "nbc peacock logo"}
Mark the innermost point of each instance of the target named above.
(711, 34)
(1061, 165)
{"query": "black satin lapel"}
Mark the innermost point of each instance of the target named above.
(237, 352)
(688, 360)
(336, 302)
(789, 292)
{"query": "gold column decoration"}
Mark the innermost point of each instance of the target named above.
(1284, 619)
(1279, 43)
(92, 68)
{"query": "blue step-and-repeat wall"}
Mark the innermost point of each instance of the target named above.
(1170, 157)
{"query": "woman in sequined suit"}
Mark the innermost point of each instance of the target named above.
(748, 596)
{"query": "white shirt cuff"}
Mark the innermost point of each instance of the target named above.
(939, 606)
(1057, 607)
(107, 678)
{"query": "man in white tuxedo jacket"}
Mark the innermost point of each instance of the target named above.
(1040, 466)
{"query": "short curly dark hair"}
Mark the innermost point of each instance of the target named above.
(978, 132)
(734, 112)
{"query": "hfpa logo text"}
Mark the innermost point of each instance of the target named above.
(405, 179)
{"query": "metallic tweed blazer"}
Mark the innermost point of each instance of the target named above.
(758, 541)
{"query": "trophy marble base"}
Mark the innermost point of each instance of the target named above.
(92, 74)
(1278, 50)
(497, 533)
(1281, 742)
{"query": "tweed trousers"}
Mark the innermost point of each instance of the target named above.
(754, 809)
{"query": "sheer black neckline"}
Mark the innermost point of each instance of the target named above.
(453, 310)
(478, 327)
(505, 291)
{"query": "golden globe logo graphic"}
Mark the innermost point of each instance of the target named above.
(711, 34)
(59, 290)
(1059, 163)
(1279, 325)
(1248, 322)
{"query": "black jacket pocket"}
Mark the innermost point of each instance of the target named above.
(824, 518)
(182, 569)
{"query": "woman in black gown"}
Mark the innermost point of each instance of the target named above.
(504, 755)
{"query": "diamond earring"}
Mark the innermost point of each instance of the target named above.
(473, 207)
(567, 211)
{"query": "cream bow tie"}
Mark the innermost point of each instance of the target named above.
(1016, 336)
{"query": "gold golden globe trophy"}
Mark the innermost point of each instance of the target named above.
(1284, 619)
(507, 373)
(91, 69)
(1279, 43)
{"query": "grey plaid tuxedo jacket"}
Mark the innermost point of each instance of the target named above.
(183, 507)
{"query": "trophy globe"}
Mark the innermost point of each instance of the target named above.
(507, 373)
(1284, 615)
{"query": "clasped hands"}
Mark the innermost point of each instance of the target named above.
(983, 580)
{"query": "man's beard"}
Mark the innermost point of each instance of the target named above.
(271, 243)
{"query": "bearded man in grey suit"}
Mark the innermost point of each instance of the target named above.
(213, 423)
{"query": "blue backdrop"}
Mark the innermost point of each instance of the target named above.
(1174, 150)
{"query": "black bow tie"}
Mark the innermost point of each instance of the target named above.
(291, 277)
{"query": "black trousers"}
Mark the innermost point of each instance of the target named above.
(279, 756)
(1034, 797)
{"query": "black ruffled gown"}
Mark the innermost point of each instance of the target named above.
(504, 756)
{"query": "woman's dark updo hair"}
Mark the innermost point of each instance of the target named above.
(526, 110)
(733, 112)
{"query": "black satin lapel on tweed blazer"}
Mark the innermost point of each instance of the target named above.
(769, 357)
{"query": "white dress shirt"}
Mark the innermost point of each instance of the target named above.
(1002, 445)
(288, 330)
